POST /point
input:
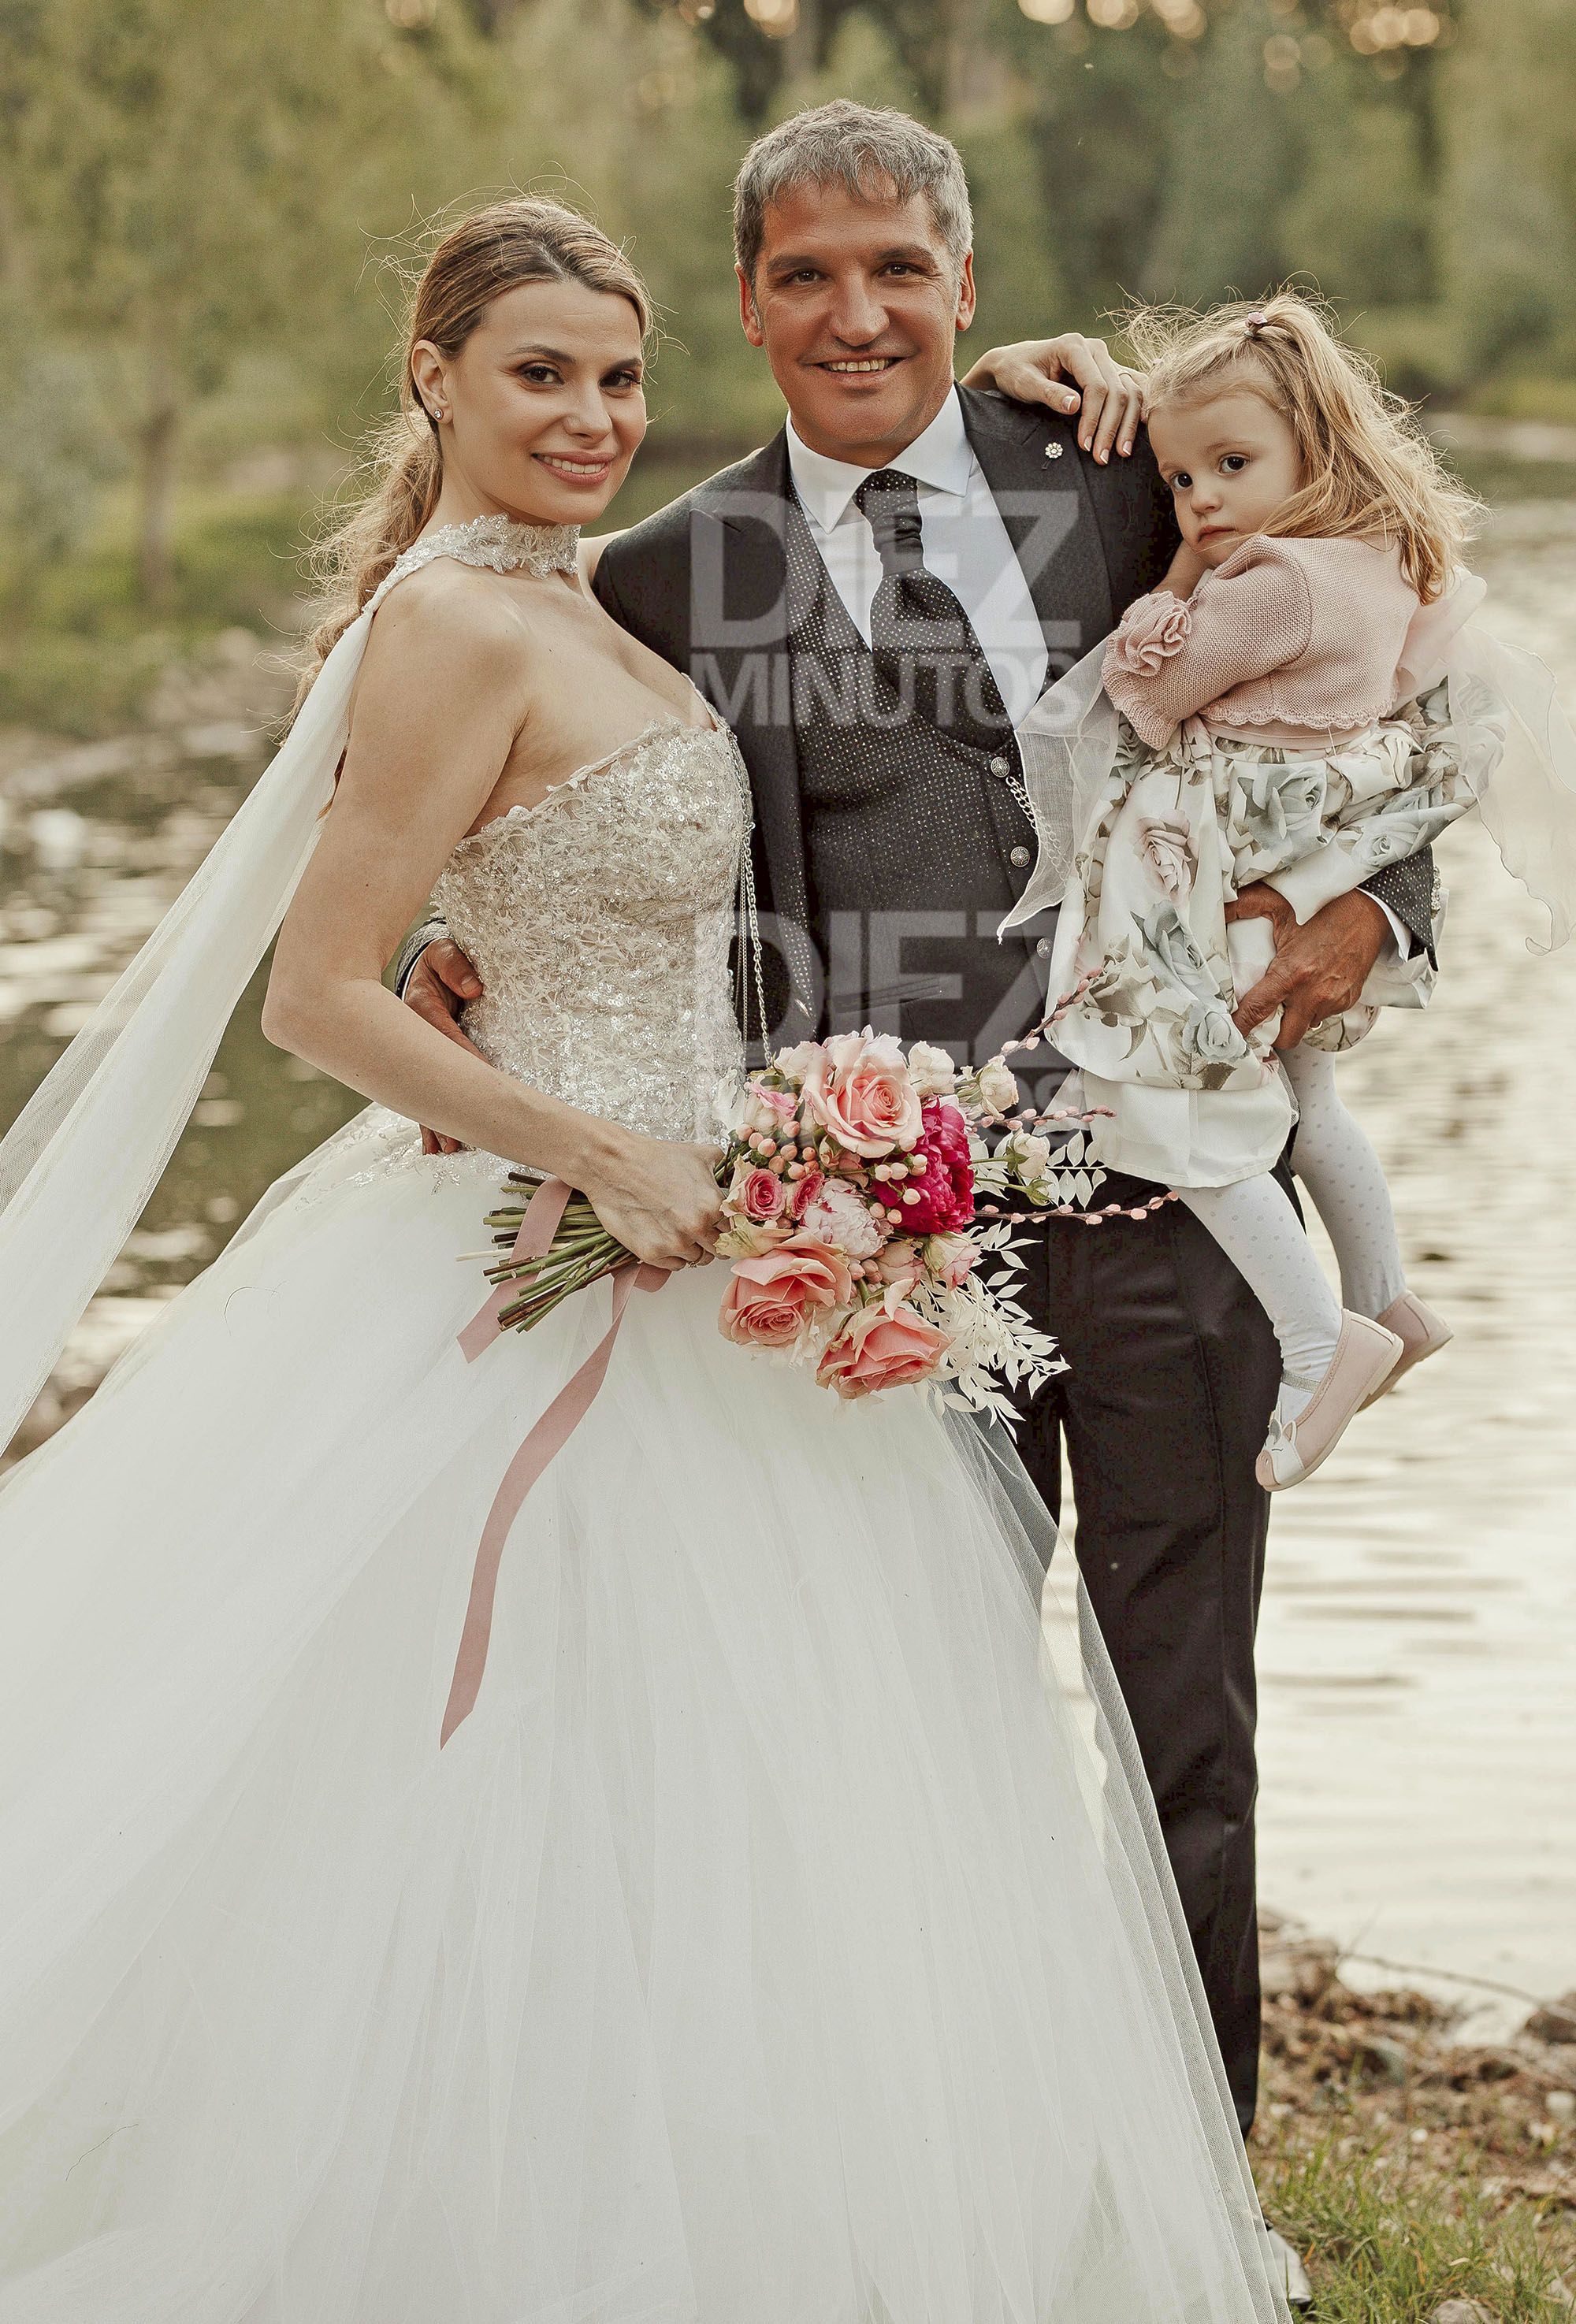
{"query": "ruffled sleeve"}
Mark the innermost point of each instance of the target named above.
(1168, 660)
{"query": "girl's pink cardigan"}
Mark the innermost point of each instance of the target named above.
(1302, 634)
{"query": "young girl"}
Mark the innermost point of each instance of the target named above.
(1269, 733)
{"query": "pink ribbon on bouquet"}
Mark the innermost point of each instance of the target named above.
(546, 1439)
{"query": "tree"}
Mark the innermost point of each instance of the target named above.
(187, 181)
(1508, 193)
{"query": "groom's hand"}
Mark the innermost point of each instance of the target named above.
(438, 988)
(1071, 374)
(1319, 969)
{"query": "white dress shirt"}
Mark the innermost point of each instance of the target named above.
(966, 545)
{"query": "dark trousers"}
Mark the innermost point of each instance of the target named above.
(1173, 1371)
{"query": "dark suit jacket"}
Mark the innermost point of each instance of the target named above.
(704, 583)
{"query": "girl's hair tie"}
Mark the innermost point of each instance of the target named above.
(1257, 322)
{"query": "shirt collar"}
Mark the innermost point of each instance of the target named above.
(939, 457)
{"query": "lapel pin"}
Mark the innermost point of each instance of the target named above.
(1053, 451)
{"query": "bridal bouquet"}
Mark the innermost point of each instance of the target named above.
(850, 1217)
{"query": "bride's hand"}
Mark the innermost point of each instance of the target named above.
(660, 1198)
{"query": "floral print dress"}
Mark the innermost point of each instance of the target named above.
(1176, 832)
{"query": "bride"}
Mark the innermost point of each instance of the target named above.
(779, 1939)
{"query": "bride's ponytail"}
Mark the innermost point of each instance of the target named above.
(524, 240)
(407, 472)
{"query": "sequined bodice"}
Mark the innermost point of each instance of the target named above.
(599, 921)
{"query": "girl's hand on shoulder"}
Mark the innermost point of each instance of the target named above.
(1071, 374)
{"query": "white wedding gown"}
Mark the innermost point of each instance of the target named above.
(779, 1942)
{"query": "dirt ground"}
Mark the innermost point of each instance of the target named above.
(1455, 2133)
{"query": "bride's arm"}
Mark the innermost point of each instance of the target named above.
(442, 694)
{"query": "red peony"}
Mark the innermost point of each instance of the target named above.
(946, 1186)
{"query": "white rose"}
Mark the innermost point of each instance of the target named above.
(1030, 1153)
(846, 1050)
(793, 1065)
(932, 1070)
(997, 1089)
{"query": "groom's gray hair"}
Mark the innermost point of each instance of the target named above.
(867, 148)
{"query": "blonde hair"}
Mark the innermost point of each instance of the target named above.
(1368, 465)
(526, 239)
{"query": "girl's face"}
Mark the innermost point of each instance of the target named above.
(1231, 462)
(543, 409)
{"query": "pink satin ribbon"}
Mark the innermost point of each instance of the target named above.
(545, 1441)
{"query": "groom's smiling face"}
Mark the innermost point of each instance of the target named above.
(857, 303)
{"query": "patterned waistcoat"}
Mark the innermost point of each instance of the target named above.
(915, 845)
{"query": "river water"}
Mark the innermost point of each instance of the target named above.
(1418, 1648)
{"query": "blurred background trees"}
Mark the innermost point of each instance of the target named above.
(203, 203)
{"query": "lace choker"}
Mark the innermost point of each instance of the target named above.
(501, 545)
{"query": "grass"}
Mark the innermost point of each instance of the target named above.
(1498, 478)
(1408, 2167)
(1389, 2238)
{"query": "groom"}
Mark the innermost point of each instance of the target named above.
(872, 601)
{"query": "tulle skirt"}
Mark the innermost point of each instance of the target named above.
(781, 1941)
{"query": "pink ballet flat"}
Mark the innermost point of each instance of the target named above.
(1422, 1334)
(1364, 1355)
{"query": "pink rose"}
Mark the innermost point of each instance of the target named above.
(1150, 632)
(951, 1258)
(770, 1300)
(900, 1264)
(804, 1192)
(945, 1189)
(881, 1347)
(768, 1109)
(860, 1091)
(760, 1195)
(1165, 849)
(776, 1102)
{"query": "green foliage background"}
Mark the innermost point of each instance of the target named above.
(204, 205)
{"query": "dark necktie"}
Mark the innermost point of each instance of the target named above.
(921, 639)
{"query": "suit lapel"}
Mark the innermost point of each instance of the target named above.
(745, 670)
(1050, 518)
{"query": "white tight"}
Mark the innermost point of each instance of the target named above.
(1259, 1231)
(1256, 1226)
(1345, 1181)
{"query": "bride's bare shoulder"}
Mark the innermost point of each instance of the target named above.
(451, 601)
(458, 624)
(589, 555)
(449, 640)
